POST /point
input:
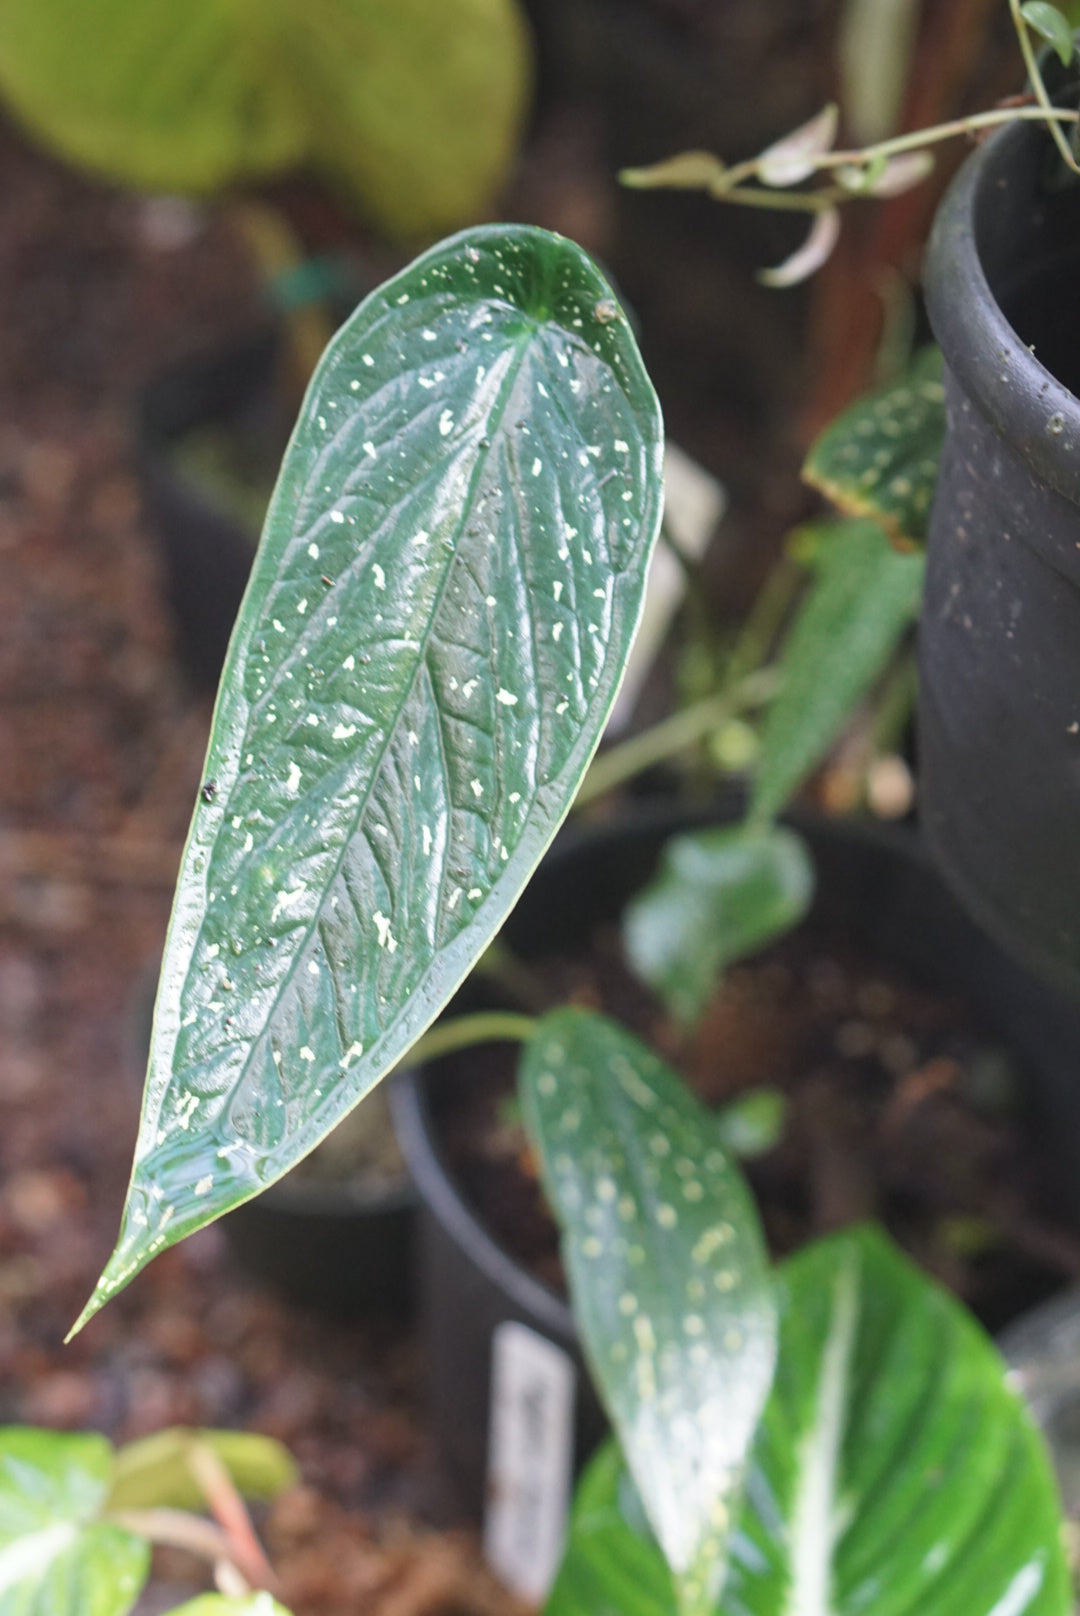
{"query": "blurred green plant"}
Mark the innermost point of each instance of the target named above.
(78, 1518)
(411, 110)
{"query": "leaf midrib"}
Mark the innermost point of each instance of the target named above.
(497, 415)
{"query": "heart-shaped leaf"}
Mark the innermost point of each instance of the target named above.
(413, 108)
(154, 1472)
(668, 1275)
(719, 895)
(57, 1558)
(880, 457)
(437, 621)
(864, 596)
(895, 1472)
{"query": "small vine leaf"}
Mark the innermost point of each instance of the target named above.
(57, 1556)
(477, 472)
(807, 259)
(688, 171)
(668, 1275)
(880, 457)
(753, 1124)
(895, 1471)
(902, 173)
(795, 157)
(154, 1472)
(1054, 27)
(718, 895)
(862, 599)
(259, 1604)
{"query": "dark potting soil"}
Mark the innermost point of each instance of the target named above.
(897, 1108)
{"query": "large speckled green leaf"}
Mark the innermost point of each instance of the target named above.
(154, 1472)
(440, 611)
(895, 1472)
(668, 1276)
(57, 1557)
(880, 457)
(413, 107)
(863, 597)
(719, 895)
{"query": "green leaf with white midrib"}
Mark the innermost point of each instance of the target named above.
(57, 1557)
(894, 1473)
(668, 1276)
(433, 636)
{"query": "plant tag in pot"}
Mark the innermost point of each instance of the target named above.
(530, 1458)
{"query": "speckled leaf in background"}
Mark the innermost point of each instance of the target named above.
(880, 457)
(668, 1276)
(864, 596)
(718, 895)
(440, 611)
(414, 109)
(895, 1472)
(57, 1558)
(154, 1471)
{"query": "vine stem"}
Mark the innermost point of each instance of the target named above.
(1039, 87)
(485, 1027)
(673, 735)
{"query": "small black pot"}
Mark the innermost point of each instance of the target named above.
(874, 886)
(207, 550)
(999, 705)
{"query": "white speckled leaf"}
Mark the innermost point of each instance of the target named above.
(57, 1557)
(668, 1274)
(445, 594)
(895, 1471)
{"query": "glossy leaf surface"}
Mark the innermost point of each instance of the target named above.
(1054, 27)
(895, 1472)
(438, 618)
(154, 1472)
(880, 457)
(56, 1557)
(718, 895)
(668, 1276)
(414, 108)
(864, 596)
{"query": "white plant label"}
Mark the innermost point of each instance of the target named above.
(530, 1458)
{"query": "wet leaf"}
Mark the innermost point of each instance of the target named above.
(154, 1472)
(1055, 28)
(718, 896)
(57, 1557)
(438, 618)
(880, 457)
(864, 596)
(895, 1472)
(668, 1276)
(415, 108)
(794, 158)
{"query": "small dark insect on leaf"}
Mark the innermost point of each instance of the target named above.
(208, 790)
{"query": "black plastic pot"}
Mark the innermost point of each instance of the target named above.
(876, 887)
(206, 550)
(999, 708)
(345, 1249)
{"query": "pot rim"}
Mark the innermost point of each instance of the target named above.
(1011, 386)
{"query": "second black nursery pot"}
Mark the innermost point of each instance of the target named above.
(999, 710)
(876, 889)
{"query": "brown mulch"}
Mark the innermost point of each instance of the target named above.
(101, 743)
